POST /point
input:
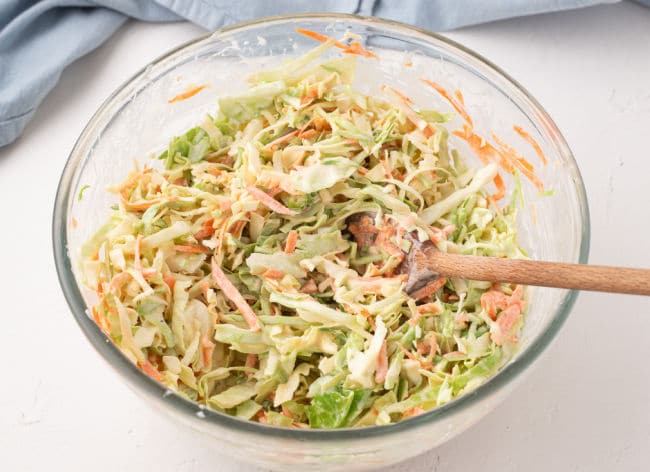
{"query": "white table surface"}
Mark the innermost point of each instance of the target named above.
(586, 407)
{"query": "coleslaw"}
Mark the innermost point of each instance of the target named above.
(236, 275)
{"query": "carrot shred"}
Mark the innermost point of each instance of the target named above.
(231, 292)
(101, 321)
(117, 281)
(353, 48)
(149, 369)
(428, 289)
(237, 228)
(518, 161)
(382, 364)
(456, 104)
(356, 48)
(73, 222)
(282, 139)
(309, 287)
(251, 360)
(538, 149)
(191, 249)
(206, 230)
(506, 320)
(190, 92)
(416, 410)
(207, 349)
(501, 188)
(213, 171)
(170, 281)
(292, 240)
(412, 356)
(310, 133)
(409, 112)
(429, 308)
(269, 201)
(273, 274)
(459, 96)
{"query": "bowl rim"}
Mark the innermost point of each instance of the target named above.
(130, 372)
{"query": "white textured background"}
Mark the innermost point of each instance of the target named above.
(586, 406)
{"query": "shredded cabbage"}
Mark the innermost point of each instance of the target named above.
(232, 275)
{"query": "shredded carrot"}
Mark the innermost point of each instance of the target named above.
(433, 343)
(213, 171)
(273, 274)
(506, 320)
(310, 133)
(206, 230)
(117, 281)
(428, 289)
(356, 48)
(286, 412)
(251, 360)
(433, 308)
(282, 139)
(387, 169)
(207, 349)
(231, 292)
(456, 104)
(412, 356)
(292, 239)
(423, 348)
(309, 287)
(518, 161)
(73, 222)
(408, 63)
(459, 96)
(353, 48)
(409, 112)
(441, 234)
(225, 204)
(404, 97)
(407, 353)
(101, 321)
(382, 364)
(501, 188)
(205, 288)
(416, 410)
(190, 92)
(170, 281)
(148, 368)
(141, 205)
(538, 149)
(237, 228)
(191, 249)
(149, 272)
(416, 318)
(269, 201)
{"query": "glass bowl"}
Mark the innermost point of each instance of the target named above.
(137, 120)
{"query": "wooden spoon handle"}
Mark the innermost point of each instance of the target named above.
(545, 274)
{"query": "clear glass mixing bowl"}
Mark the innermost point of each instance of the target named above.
(138, 120)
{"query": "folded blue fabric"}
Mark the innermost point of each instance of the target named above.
(38, 39)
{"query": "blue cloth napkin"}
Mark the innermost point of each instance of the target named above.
(38, 39)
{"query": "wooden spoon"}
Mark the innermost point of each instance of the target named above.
(424, 262)
(545, 274)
